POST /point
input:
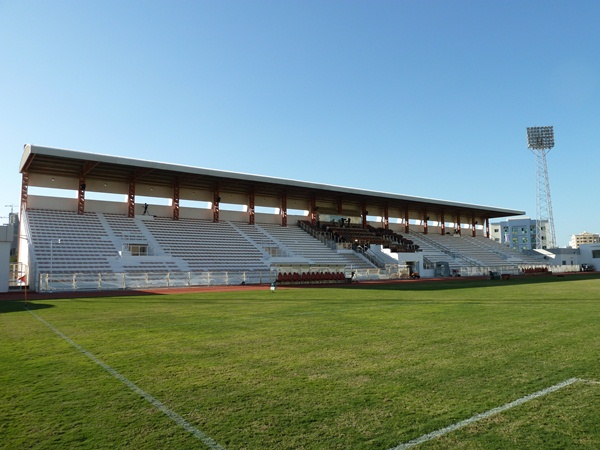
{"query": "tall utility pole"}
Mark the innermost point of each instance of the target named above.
(540, 140)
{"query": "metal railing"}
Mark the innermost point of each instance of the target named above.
(519, 269)
(60, 282)
(63, 282)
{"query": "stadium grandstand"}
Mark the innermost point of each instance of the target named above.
(94, 221)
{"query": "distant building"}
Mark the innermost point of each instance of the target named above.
(13, 220)
(518, 234)
(584, 238)
(590, 254)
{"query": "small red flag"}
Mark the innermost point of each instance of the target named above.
(22, 279)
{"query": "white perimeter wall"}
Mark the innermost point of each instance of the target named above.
(6, 238)
(585, 254)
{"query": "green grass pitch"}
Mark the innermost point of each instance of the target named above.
(363, 367)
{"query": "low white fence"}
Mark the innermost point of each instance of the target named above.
(58, 282)
(61, 282)
(516, 270)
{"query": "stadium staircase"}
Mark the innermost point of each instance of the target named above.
(125, 232)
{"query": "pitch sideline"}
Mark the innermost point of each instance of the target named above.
(211, 443)
(489, 413)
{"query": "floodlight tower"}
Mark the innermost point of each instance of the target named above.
(540, 140)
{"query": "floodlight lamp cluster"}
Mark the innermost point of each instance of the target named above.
(540, 138)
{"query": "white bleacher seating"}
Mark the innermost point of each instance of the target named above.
(97, 243)
(463, 250)
(67, 242)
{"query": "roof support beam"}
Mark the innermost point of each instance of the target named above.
(88, 166)
(139, 173)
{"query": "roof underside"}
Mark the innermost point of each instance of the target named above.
(75, 164)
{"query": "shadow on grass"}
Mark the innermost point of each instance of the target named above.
(465, 283)
(15, 301)
(11, 306)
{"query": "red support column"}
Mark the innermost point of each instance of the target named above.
(473, 223)
(458, 230)
(284, 209)
(386, 218)
(313, 210)
(176, 201)
(364, 216)
(24, 191)
(487, 228)
(251, 213)
(131, 199)
(425, 224)
(339, 206)
(137, 174)
(216, 201)
(81, 196)
(406, 227)
(85, 170)
(443, 227)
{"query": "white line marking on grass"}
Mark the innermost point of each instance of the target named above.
(485, 415)
(211, 443)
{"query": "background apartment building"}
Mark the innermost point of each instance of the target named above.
(584, 238)
(518, 234)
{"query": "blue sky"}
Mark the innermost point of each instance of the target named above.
(425, 98)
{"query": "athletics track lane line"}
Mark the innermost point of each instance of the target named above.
(211, 443)
(485, 415)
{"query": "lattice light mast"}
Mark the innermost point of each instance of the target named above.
(540, 140)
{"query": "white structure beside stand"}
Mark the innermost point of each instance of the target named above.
(6, 238)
